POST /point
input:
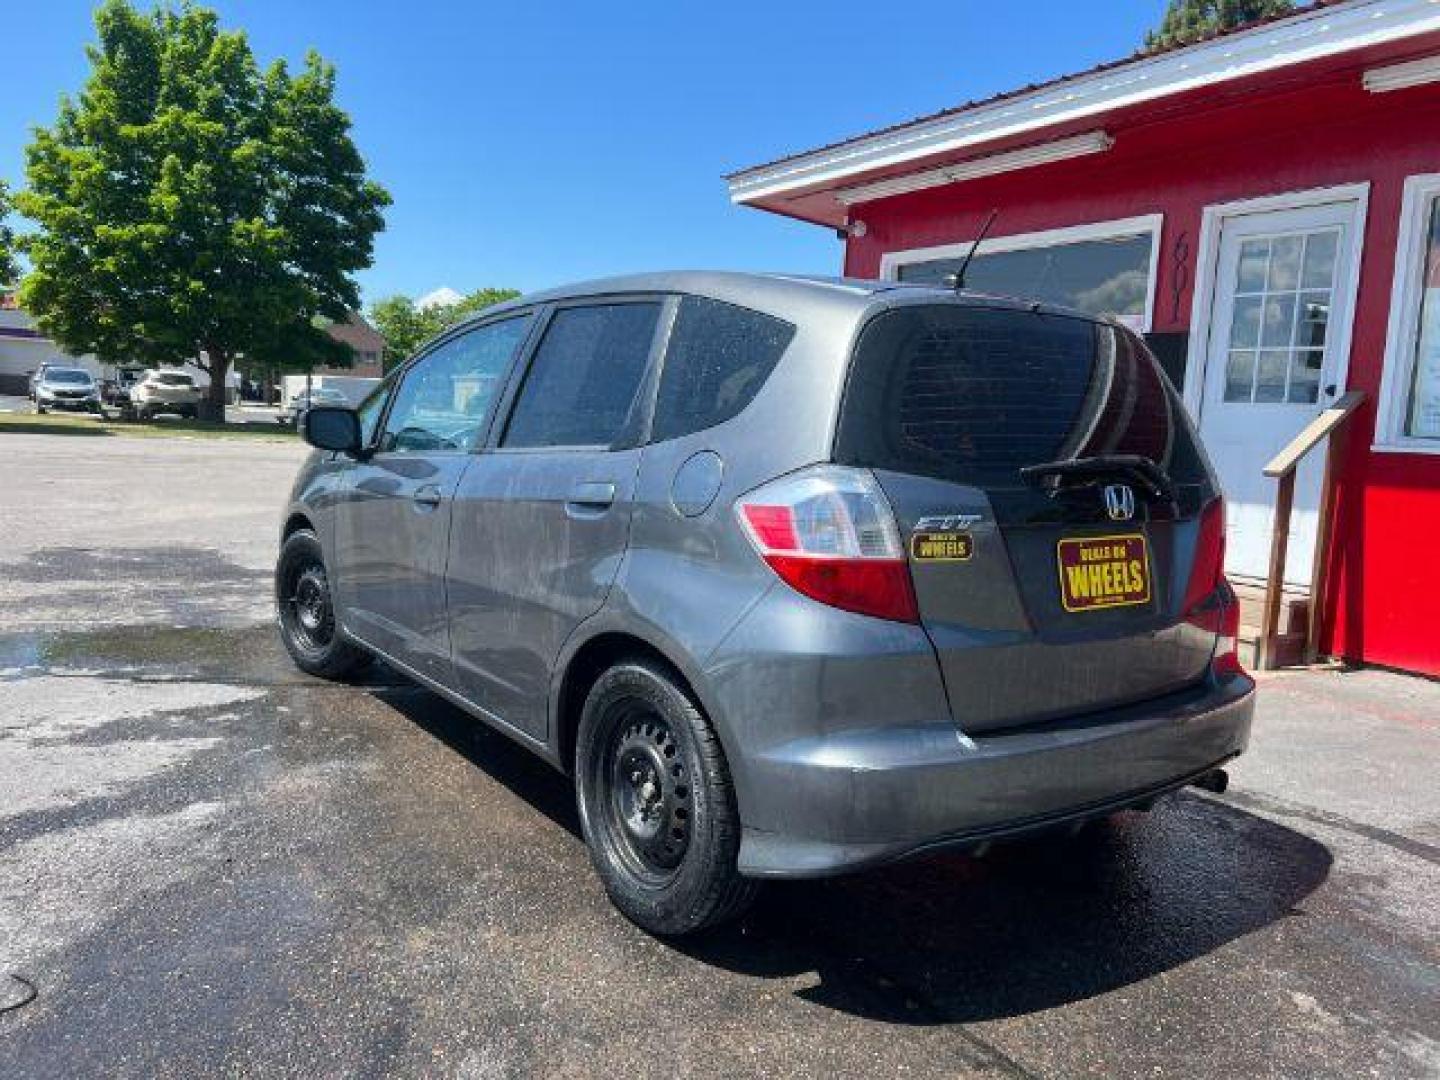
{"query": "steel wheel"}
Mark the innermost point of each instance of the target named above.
(310, 628)
(648, 812)
(305, 608)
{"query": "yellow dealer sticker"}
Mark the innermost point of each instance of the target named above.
(941, 546)
(1103, 572)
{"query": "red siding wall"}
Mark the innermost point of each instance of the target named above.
(1385, 601)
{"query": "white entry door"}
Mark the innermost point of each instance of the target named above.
(1283, 293)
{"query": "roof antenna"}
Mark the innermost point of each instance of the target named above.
(957, 279)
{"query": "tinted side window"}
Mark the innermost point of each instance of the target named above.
(719, 357)
(583, 379)
(442, 403)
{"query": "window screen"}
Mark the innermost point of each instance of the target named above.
(584, 377)
(718, 358)
(975, 394)
(1101, 277)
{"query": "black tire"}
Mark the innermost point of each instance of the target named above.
(656, 803)
(39, 409)
(306, 615)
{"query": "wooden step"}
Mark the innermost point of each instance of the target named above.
(1294, 623)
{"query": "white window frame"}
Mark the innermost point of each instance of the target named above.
(1402, 336)
(1153, 224)
(1207, 268)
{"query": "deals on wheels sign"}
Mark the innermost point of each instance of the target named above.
(1103, 572)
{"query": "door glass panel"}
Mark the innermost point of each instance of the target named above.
(1254, 258)
(1305, 376)
(1239, 374)
(1245, 327)
(1314, 319)
(584, 377)
(443, 401)
(1319, 269)
(1270, 374)
(1284, 286)
(1284, 272)
(1279, 321)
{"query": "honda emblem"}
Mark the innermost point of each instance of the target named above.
(1119, 502)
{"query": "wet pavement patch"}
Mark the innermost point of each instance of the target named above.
(210, 862)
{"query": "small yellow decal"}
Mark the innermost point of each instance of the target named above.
(941, 546)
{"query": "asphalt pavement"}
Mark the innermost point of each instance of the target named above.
(212, 864)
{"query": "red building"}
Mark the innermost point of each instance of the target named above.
(1265, 206)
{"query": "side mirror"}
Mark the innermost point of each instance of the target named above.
(331, 427)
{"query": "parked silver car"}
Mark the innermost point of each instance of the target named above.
(307, 399)
(793, 576)
(65, 388)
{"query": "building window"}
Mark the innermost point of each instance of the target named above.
(1107, 268)
(1409, 411)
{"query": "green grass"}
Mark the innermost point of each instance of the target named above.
(90, 426)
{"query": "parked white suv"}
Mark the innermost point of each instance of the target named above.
(165, 392)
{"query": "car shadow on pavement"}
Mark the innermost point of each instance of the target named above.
(953, 938)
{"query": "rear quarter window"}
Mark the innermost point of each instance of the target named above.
(718, 359)
(973, 395)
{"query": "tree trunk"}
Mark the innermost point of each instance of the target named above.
(213, 407)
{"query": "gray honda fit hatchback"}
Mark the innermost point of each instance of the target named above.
(793, 576)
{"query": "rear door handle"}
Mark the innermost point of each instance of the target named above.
(591, 495)
(427, 497)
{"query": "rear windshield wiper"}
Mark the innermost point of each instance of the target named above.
(1153, 481)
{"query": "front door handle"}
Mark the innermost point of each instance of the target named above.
(427, 497)
(592, 495)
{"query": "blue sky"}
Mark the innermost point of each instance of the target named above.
(529, 144)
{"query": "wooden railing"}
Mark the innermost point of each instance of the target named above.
(1282, 468)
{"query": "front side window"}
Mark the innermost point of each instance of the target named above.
(718, 358)
(1108, 275)
(370, 409)
(444, 398)
(585, 376)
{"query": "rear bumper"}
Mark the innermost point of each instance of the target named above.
(862, 797)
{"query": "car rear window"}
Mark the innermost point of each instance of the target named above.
(174, 380)
(718, 358)
(973, 395)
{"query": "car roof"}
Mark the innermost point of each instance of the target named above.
(790, 296)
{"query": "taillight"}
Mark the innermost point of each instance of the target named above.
(829, 533)
(1210, 602)
(1227, 644)
(1207, 569)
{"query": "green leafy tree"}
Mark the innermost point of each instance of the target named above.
(1188, 21)
(8, 268)
(188, 201)
(406, 327)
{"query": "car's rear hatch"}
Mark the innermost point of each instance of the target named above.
(1056, 590)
